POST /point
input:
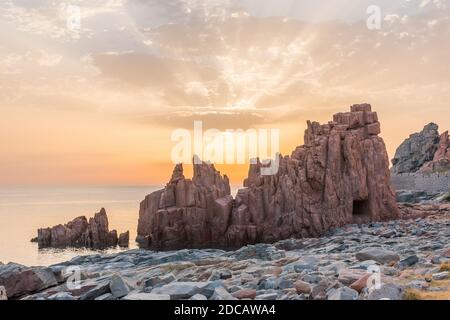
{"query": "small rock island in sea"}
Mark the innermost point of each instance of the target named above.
(328, 226)
(81, 233)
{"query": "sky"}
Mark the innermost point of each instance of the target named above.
(96, 103)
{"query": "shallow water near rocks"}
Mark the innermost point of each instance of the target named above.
(24, 210)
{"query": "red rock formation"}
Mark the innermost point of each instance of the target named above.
(186, 213)
(340, 176)
(79, 233)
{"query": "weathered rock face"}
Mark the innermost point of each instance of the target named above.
(186, 213)
(124, 239)
(415, 151)
(80, 233)
(339, 176)
(441, 159)
(19, 280)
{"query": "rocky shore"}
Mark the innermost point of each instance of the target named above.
(401, 259)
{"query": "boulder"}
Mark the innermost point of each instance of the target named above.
(80, 233)
(19, 280)
(119, 287)
(343, 293)
(386, 292)
(245, 294)
(380, 255)
(221, 293)
(415, 151)
(340, 176)
(180, 290)
(302, 287)
(349, 276)
(441, 275)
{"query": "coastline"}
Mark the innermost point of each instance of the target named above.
(408, 256)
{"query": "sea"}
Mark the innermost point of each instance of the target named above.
(26, 209)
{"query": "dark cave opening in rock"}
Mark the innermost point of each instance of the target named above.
(361, 211)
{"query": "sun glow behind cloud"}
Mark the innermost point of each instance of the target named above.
(98, 105)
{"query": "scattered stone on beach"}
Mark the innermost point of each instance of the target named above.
(180, 290)
(80, 232)
(441, 275)
(417, 261)
(119, 287)
(302, 287)
(380, 255)
(361, 283)
(245, 294)
(343, 293)
(386, 292)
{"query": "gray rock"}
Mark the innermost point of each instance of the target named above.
(380, 255)
(222, 274)
(267, 283)
(96, 291)
(418, 284)
(118, 286)
(386, 292)
(312, 278)
(319, 291)
(306, 264)
(198, 297)
(441, 275)
(259, 251)
(222, 294)
(180, 290)
(146, 296)
(284, 283)
(210, 287)
(160, 281)
(343, 293)
(61, 296)
(409, 261)
(267, 296)
(419, 148)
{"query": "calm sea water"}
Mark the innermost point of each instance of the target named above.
(24, 210)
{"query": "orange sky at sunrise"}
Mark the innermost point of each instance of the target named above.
(97, 105)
